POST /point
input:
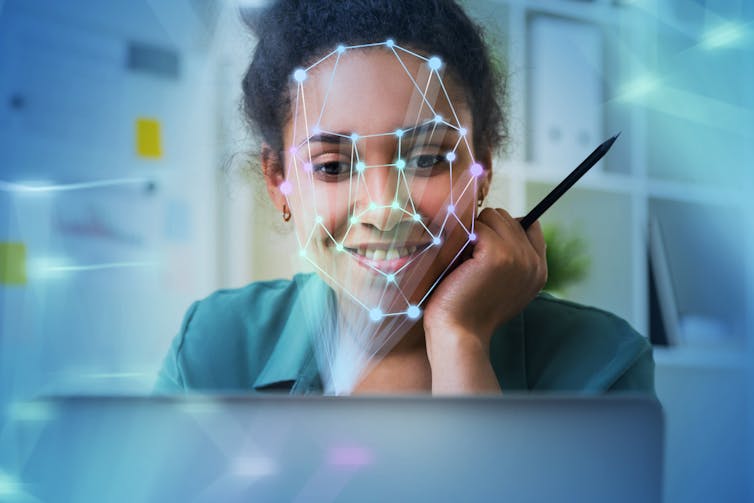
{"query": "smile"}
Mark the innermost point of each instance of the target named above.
(386, 258)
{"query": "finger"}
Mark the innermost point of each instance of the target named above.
(537, 239)
(499, 220)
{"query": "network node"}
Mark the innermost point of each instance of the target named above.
(417, 217)
(319, 219)
(341, 49)
(472, 236)
(462, 131)
(413, 312)
(316, 130)
(438, 119)
(354, 137)
(376, 314)
(354, 219)
(372, 206)
(450, 156)
(308, 167)
(302, 253)
(299, 75)
(399, 132)
(390, 278)
(436, 241)
(434, 63)
(360, 166)
(395, 205)
(476, 169)
(389, 42)
(286, 188)
(292, 150)
(400, 164)
(451, 208)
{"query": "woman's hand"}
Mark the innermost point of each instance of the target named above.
(505, 272)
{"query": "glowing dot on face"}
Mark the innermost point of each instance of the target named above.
(451, 156)
(472, 236)
(390, 278)
(360, 166)
(413, 312)
(417, 217)
(354, 137)
(436, 241)
(451, 208)
(308, 167)
(476, 169)
(375, 314)
(339, 247)
(395, 205)
(434, 63)
(438, 119)
(319, 219)
(316, 130)
(292, 150)
(302, 253)
(372, 206)
(399, 133)
(299, 75)
(354, 219)
(400, 164)
(389, 42)
(462, 131)
(341, 49)
(286, 188)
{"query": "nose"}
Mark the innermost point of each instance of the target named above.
(381, 197)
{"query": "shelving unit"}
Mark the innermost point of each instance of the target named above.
(684, 105)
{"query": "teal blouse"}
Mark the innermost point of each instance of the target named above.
(259, 338)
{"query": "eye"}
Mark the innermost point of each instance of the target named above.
(331, 170)
(427, 163)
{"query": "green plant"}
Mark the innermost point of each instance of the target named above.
(568, 258)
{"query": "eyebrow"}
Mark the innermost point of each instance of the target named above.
(340, 137)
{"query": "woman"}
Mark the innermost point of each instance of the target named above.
(378, 122)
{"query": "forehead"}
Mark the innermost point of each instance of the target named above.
(373, 91)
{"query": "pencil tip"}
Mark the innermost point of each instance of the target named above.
(616, 135)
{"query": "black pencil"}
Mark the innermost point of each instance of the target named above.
(568, 182)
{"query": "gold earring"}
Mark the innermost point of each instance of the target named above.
(286, 213)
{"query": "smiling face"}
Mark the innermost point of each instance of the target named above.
(379, 175)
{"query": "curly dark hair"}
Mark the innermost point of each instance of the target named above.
(295, 33)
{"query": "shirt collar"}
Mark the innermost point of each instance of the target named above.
(292, 364)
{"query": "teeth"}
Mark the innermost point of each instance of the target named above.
(382, 254)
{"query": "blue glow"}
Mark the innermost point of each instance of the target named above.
(354, 137)
(341, 49)
(450, 156)
(472, 236)
(413, 312)
(299, 75)
(286, 188)
(390, 278)
(389, 42)
(360, 166)
(399, 133)
(319, 219)
(400, 164)
(376, 314)
(436, 241)
(476, 169)
(354, 219)
(451, 208)
(395, 205)
(434, 63)
(438, 119)
(462, 131)
(417, 217)
(339, 247)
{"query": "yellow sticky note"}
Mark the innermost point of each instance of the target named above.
(12, 263)
(148, 142)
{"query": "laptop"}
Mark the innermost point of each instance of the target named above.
(302, 448)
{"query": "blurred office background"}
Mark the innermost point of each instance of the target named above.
(127, 191)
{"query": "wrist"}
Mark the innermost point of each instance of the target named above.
(453, 344)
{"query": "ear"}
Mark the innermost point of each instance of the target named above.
(272, 168)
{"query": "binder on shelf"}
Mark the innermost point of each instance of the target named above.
(565, 91)
(663, 309)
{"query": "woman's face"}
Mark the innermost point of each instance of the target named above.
(379, 175)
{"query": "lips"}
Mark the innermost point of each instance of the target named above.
(386, 258)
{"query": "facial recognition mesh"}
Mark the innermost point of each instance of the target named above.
(381, 215)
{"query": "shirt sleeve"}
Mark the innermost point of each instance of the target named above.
(170, 377)
(640, 376)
